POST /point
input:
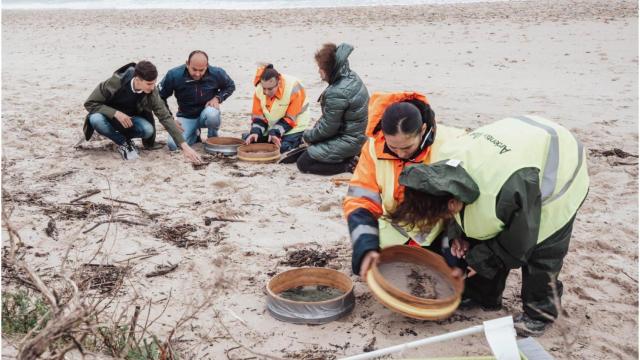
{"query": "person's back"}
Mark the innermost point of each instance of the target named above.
(339, 134)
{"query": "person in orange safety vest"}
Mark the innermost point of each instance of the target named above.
(280, 110)
(402, 131)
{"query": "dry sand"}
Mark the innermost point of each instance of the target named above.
(575, 62)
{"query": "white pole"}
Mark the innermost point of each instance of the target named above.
(398, 348)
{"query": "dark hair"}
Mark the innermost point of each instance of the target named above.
(401, 117)
(269, 73)
(194, 52)
(326, 58)
(406, 117)
(420, 210)
(146, 71)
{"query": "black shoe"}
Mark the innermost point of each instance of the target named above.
(351, 167)
(470, 304)
(526, 326)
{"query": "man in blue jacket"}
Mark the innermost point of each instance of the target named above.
(199, 89)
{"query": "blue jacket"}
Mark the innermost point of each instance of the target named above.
(192, 95)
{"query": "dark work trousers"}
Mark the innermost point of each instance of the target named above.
(307, 164)
(541, 271)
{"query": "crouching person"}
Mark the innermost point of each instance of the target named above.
(121, 107)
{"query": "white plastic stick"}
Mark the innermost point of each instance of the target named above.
(398, 348)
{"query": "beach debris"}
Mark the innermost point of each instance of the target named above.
(162, 270)
(114, 220)
(422, 285)
(613, 152)
(313, 353)
(309, 257)
(85, 195)
(370, 346)
(408, 331)
(178, 235)
(52, 230)
(103, 278)
(209, 219)
(337, 181)
(57, 175)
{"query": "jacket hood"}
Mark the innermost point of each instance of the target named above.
(379, 103)
(130, 67)
(341, 69)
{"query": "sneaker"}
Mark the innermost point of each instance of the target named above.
(526, 326)
(128, 151)
(470, 304)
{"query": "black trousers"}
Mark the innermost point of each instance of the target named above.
(540, 289)
(307, 164)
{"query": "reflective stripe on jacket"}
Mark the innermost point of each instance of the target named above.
(493, 153)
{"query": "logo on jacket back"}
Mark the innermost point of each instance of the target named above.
(502, 146)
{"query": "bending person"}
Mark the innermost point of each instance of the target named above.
(280, 109)
(337, 137)
(402, 131)
(511, 190)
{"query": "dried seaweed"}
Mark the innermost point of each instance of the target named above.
(309, 257)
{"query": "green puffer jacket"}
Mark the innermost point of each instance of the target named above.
(339, 134)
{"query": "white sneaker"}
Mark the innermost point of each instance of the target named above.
(128, 151)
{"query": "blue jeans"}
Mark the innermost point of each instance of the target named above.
(112, 129)
(209, 118)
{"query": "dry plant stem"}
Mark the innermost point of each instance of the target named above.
(162, 272)
(88, 194)
(124, 221)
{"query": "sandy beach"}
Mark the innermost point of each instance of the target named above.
(572, 61)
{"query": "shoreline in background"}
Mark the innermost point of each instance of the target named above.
(574, 62)
(223, 5)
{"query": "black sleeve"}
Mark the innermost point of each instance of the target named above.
(227, 85)
(518, 206)
(363, 230)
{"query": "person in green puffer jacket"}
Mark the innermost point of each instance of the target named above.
(337, 138)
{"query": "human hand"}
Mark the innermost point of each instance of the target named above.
(459, 248)
(215, 102)
(251, 138)
(275, 140)
(123, 119)
(190, 154)
(459, 273)
(370, 258)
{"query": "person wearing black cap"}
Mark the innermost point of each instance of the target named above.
(509, 193)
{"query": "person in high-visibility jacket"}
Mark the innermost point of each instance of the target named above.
(401, 131)
(280, 109)
(510, 192)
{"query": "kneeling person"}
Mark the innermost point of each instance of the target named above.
(199, 89)
(280, 109)
(121, 108)
(338, 136)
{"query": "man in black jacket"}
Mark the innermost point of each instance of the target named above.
(120, 108)
(199, 89)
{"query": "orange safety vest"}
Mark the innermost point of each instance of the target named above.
(374, 185)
